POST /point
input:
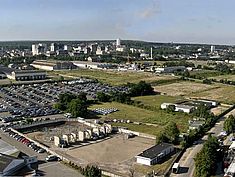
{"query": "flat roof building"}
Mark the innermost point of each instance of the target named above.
(154, 154)
(10, 165)
(53, 65)
(23, 75)
(179, 107)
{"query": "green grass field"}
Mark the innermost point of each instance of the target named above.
(155, 101)
(152, 130)
(136, 114)
(229, 77)
(205, 73)
(115, 77)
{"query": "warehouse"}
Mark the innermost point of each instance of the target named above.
(23, 75)
(179, 107)
(170, 69)
(53, 65)
(155, 154)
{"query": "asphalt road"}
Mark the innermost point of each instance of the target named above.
(48, 169)
(187, 165)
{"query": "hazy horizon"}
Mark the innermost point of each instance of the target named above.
(163, 21)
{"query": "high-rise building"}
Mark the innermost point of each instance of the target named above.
(38, 49)
(118, 42)
(212, 49)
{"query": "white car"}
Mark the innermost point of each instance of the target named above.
(52, 158)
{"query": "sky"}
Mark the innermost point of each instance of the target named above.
(186, 21)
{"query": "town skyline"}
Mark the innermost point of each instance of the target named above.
(151, 20)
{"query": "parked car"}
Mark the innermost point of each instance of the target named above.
(52, 158)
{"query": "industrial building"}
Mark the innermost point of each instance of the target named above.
(154, 154)
(23, 75)
(94, 65)
(170, 69)
(53, 65)
(10, 165)
(179, 107)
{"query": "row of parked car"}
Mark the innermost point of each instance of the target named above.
(104, 111)
(28, 143)
(25, 141)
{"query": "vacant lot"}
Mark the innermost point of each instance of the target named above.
(228, 77)
(222, 93)
(184, 88)
(114, 150)
(115, 77)
(133, 113)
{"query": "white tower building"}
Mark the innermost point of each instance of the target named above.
(212, 49)
(118, 42)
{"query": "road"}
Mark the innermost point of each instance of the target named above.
(187, 165)
(48, 169)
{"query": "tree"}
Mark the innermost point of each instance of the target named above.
(65, 98)
(201, 111)
(206, 81)
(206, 159)
(77, 108)
(140, 89)
(229, 124)
(92, 171)
(171, 132)
(102, 97)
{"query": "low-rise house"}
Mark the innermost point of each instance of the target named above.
(195, 124)
(155, 154)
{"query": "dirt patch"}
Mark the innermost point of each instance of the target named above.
(183, 88)
(114, 150)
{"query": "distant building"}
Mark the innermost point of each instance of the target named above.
(38, 49)
(118, 42)
(195, 124)
(53, 65)
(230, 61)
(154, 154)
(23, 75)
(212, 49)
(170, 69)
(94, 65)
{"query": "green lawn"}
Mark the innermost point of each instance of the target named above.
(229, 77)
(133, 113)
(152, 130)
(155, 101)
(115, 77)
(205, 73)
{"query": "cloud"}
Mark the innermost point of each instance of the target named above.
(151, 10)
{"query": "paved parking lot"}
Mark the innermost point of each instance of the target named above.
(6, 148)
(35, 100)
(47, 169)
